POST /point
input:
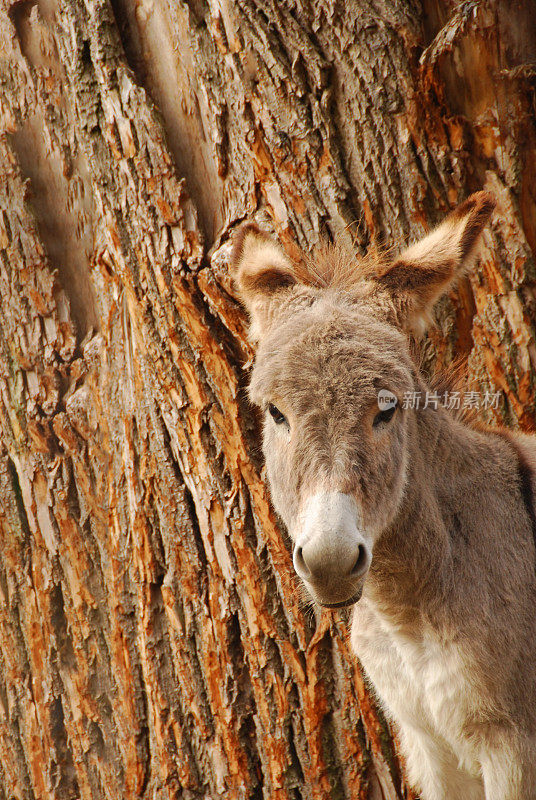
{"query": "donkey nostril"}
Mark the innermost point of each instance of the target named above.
(361, 562)
(299, 563)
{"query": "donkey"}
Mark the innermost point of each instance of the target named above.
(424, 523)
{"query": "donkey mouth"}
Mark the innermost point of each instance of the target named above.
(350, 602)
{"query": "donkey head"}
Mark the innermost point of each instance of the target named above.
(332, 366)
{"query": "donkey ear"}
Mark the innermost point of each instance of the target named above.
(427, 269)
(258, 265)
(260, 270)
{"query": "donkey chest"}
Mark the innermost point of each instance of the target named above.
(423, 684)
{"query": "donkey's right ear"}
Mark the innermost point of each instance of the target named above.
(260, 270)
(428, 268)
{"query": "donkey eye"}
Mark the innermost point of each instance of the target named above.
(276, 414)
(384, 416)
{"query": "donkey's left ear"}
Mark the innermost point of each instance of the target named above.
(427, 269)
(261, 272)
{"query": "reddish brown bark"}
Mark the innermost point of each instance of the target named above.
(152, 639)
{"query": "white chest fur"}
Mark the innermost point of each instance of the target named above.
(423, 685)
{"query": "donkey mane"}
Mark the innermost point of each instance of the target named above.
(335, 266)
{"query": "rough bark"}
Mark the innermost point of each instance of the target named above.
(152, 639)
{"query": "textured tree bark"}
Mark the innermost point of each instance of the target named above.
(152, 639)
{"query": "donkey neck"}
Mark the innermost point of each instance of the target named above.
(421, 562)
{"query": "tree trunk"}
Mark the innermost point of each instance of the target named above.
(152, 639)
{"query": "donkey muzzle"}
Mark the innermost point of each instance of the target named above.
(332, 555)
